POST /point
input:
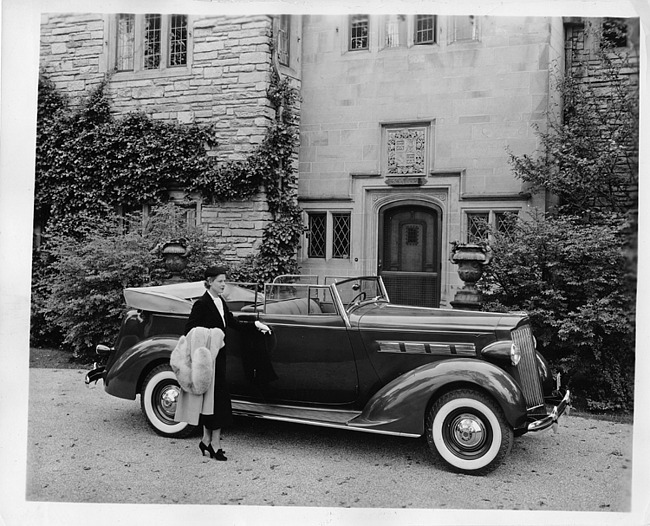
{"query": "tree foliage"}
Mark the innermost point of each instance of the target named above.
(90, 163)
(82, 274)
(567, 275)
(573, 270)
(589, 156)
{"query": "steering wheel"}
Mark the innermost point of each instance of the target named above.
(357, 299)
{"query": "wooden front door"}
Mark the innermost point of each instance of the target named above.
(409, 254)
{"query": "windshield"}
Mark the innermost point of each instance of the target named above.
(353, 291)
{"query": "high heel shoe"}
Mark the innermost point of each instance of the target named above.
(205, 448)
(219, 455)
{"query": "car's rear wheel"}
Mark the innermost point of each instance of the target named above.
(158, 398)
(468, 431)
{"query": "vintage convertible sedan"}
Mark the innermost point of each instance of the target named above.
(341, 355)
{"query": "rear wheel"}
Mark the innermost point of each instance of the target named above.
(468, 431)
(158, 401)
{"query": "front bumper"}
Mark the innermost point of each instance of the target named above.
(95, 374)
(549, 420)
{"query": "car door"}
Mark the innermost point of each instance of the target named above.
(310, 358)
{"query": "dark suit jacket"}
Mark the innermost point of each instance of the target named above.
(255, 359)
(205, 314)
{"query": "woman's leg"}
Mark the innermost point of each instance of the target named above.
(217, 438)
(207, 436)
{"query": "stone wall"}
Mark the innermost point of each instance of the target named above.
(225, 84)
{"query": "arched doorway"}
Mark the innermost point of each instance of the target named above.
(409, 253)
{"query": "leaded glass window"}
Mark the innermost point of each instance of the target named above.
(505, 223)
(150, 41)
(477, 226)
(178, 40)
(359, 25)
(152, 31)
(125, 42)
(341, 235)
(317, 235)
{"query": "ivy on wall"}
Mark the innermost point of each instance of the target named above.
(90, 162)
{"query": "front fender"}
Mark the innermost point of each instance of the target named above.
(401, 404)
(123, 377)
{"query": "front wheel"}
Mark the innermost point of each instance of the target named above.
(158, 401)
(468, 431)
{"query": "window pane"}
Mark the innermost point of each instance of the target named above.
(317, 235)
(464, 28)
(178, 40)
(395, 30)
(506, 223)
(341, 236)
(125, 41)
(152, 30)
(283, 40)
(477, 226)
(359, 32)
(425, 29)
(614, 32)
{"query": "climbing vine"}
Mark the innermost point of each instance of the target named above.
(91, 162)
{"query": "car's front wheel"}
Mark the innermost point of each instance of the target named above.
(158, 398)
(468, 431)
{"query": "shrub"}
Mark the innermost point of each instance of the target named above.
(570, 277)
(79, 291)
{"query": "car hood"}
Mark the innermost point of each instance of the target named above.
(386, 316)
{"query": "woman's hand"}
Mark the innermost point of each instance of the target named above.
(263, 328)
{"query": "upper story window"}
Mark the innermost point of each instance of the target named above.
(359, 29)
(615, 32)
(284, 27)
(150, 42)
(425, 29)
(463, 28)
(395, 30)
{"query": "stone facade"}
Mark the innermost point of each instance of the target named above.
(224, 83)
(401, 140)
(475, 100)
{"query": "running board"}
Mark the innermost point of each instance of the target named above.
(336, 418)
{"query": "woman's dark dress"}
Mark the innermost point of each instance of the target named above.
(205, 314)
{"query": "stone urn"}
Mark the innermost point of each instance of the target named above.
(470, 258)
(175, 254)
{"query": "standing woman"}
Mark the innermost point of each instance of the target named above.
(211, 311)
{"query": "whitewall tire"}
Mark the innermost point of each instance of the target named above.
(467, 430)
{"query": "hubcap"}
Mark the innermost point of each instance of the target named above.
(167, 401)
(468, 432)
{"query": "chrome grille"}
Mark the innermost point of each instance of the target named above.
(528, 374)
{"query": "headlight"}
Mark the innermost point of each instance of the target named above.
(515, 353)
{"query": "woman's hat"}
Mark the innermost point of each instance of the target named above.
(214, 271)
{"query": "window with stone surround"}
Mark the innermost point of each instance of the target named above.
(463, 28)
(405, 150)
(425, 29)
(145, 42)
(328, 235)
(359, 31)
(479, 224)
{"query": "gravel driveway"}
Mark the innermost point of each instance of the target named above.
(86, 446)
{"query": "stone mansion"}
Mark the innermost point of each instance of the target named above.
(405, 121)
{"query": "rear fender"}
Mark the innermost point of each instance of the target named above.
(124, 377)
(401, 404)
